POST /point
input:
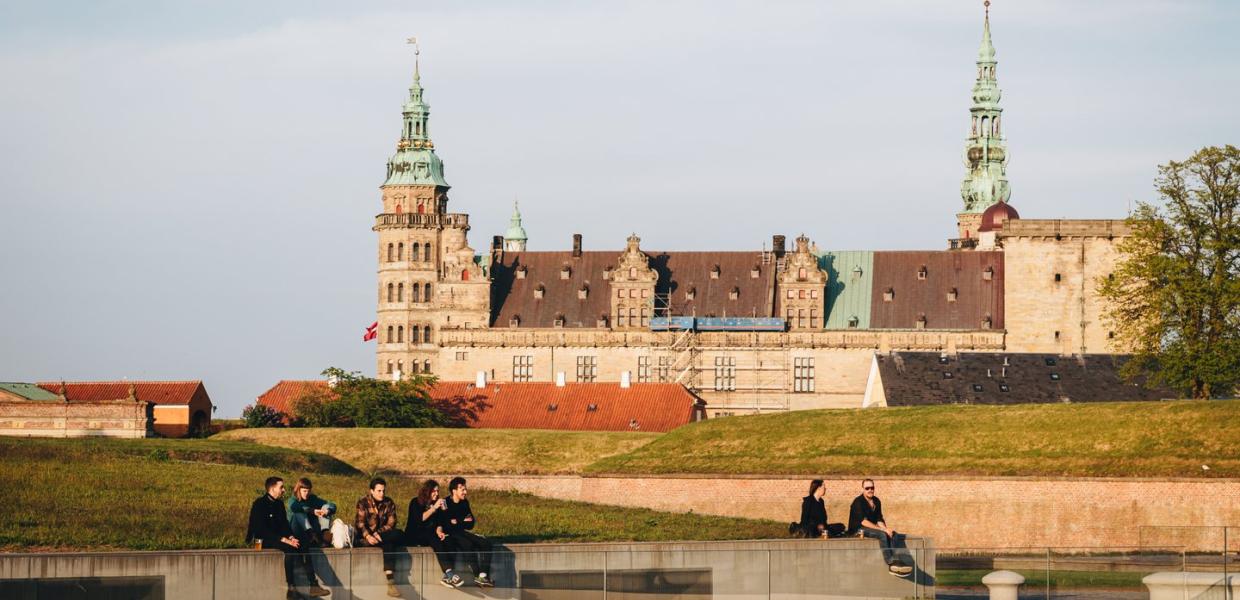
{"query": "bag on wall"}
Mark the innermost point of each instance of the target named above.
(342, 534)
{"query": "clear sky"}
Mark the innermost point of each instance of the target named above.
(187, 188)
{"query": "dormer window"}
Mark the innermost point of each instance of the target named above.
(559, 321)
(889, 294)
(521, 272)
(857, 272)
(921, 273)
(988, 273)
(539, 291)
(754, 272)
(565, 273)
(921, 322)
(583, 292)
(690, 293)
(632, 272)
(602, 321)
(802, 274)
(734, 294)
(951, 295)
(986, 322)
(515, 321)
(591, 407)
(853, 322)
(714, 272)
(552, 407)
(607, 274)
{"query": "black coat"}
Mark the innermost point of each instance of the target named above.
(813, 516)
(268, 521)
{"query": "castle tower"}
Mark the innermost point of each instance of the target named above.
(515, 238)
(429, 280)
(985, 152)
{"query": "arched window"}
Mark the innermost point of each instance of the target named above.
(400, 251)
(464, 274)
(413, 367)
(985, 125)
(801, 273)
(415, 292)
(391, 293)
(426, 252)
(426, 366)
(391, 330)
(400, 292)
(426, 292)
(398, 210)
(389, 367)
(389, 253)
(632, 272)
(996, 126)
(426, 334)
(400, 334)
(421, 208)
(400, 368)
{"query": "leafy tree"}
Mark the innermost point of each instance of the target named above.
(1174, 298)
(261, 415)
(358, 401)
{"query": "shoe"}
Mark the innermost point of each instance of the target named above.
(293, 595)
(483, 581)
(317, 590)
(327, 538)
(899, 570)
(451, 580)
(391, 589)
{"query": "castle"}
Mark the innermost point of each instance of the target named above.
(793, 327)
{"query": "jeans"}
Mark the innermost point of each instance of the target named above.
(388, 540)
(291, 557)
(432, 541)
(884, 542)
(476, 548)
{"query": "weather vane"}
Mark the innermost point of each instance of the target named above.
(986, 4)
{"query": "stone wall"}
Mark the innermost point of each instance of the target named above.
(998, 512)
(122, 418)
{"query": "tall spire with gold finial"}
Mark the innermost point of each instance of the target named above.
(985, 154)
(415, 161)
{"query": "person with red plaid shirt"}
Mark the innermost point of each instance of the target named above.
(376, 526)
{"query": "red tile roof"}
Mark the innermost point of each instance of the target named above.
(155, 392)
(508, 405)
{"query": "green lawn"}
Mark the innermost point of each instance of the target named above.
(1036, 579)
(122, 494)
(437, 451)
(1121, 439)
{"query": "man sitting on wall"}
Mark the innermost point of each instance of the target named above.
(375, 525)
(865, 519)
(457, 520)
(269, 528)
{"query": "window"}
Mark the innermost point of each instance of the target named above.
(400, 292)
(714, 272)
(426, 366)
(1003, 387)
(522, 368)
(977, 387)
(565, 273)
(665, 364)
(465, 275)
(803, 374)
(643, 369)
(645, 317)
(587, 368)
(1058, 277)
(691, 294)
(1054, 376)
(801, 294)
(951, 295)
(426, 292)
(1050, 362)
(921, 322)
(413, 367)
(415, 293)
(521, 272)
(1056, 336)
(462, 355)
(632, 272)
(400, 251)
(539, 291)
(559, 321)
(583, 293)
(921, 273)
(813, 318)
(390, 337)
(801, 317)
(389, 259)
(792, 294)
(889, 294)
(988, 274)
(400, 333)
(734, 294)
(515, 321)
(426, 334)
(987, 323)
(947, 375)
(400, 367)
(725, 373)
(853, 322)
(633, 293)
(389, 367)
(391, 297)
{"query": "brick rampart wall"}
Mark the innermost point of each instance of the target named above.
(956, 512)
(74, 419)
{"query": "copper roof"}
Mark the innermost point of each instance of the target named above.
(533, 405)
(912, 297)
(678, 272)
(155, 392)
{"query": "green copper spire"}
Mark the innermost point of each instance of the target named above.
(985, 152)
(515, 238)
(415, 161)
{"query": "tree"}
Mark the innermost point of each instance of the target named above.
(261, 415)
(1174, 298)
(357, 401)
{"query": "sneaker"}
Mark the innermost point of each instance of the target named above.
(899, 570)
(483, 581)
(317, 590)
(451, 580)
(391, 589)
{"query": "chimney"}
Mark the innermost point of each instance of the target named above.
(480, 381)
(497, 244)
(576, 245)
(626, 379)
(559, 379)
(777, 245)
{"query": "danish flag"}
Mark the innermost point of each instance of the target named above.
(372, 332)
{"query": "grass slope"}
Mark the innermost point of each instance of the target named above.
(1121, 439)
(422, 451)
(102, 494)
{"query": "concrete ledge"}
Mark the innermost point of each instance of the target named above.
(1181, 586)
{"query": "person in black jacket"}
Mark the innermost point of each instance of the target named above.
(424, 529)
(457, 521)
(813, 522)
(865, 519)
(269, 526)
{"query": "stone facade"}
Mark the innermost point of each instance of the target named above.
(790, 329)
(115, 418)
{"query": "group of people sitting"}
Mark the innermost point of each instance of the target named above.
(443, 523)
(865, 519)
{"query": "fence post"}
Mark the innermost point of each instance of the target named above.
(1227, 595)
(605, 575)
(1048, 573)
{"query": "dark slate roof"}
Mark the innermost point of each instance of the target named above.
(678, 272)
(976, 297)
(917, 379)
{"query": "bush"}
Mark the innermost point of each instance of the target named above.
(357, 401)
(259, 415)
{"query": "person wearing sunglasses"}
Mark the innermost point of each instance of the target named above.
(865, 519)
